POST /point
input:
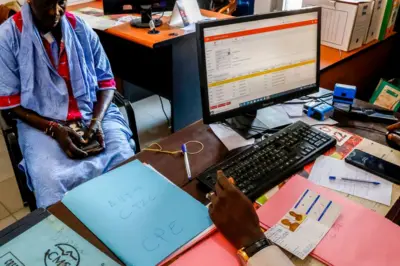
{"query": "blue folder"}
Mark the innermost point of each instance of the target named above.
(137, 213)
(41, 239)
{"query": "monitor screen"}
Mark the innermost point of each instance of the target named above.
(248, 63)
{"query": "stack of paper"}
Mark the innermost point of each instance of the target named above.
(138, 214)
(325, 167)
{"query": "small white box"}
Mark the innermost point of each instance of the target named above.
(376, 20)
(345, 23)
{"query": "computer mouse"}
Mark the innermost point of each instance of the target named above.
(391, 143)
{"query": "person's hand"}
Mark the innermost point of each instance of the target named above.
(95, 130)
(394, 137)
(233, 214)
(68, 139)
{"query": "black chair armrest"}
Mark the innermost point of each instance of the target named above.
(121, 102)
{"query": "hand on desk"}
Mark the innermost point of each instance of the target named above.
(233, 214)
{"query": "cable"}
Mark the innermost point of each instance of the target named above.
(362, 128)
(165, 113)
(160, 149)
(327, 95)
(250, 128)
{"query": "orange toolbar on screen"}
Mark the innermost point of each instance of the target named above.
(260, 30)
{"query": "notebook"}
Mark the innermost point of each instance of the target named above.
(139, 215)
(358, 237)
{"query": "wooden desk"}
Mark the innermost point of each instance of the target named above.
(141, 36)
(163, 64)
(173, 168)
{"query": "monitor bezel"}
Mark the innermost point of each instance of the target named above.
(207, 117)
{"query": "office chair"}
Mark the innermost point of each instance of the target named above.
(9, 129)
(229, 8)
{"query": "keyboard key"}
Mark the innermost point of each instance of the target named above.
(319, 143)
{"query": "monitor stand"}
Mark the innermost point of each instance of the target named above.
(144, 20)
(248, 126)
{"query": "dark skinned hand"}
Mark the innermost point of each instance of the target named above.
(95, 130)
(69, 141)
(233, 214)
(394, 137)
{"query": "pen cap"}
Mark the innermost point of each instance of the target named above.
(332, 178)
(184, 148)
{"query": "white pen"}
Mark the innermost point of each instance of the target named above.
(186, 159)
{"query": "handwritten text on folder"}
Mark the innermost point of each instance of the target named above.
(138, 214)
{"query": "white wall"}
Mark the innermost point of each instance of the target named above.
(261, 6)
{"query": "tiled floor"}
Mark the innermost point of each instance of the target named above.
(10, 199)
(152, 125)
(151, 121)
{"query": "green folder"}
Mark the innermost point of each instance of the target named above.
(386, 95)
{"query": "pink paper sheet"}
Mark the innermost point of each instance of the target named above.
(358, 237)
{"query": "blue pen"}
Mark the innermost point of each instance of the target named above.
(354, 180)
(186, 159)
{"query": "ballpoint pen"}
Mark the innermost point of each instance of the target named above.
(186, 159)
(354, 180)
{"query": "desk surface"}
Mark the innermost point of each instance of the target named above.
(173, 168)
(141, 36)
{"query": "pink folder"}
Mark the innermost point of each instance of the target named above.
(213, 251)
(358, 237)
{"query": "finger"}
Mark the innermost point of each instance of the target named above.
(76, 152)
(394, 138)
(75, 136)
(223, 181)
(393, 127)
(69, 154)
(219, 190)
(100, 138)
(88, 134)
(213, 199)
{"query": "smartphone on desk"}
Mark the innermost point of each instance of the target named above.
(374, 165)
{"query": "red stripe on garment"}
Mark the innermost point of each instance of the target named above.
(18, 21)
(63, 71)
(8, 101)
(107, 83)
(71, 18)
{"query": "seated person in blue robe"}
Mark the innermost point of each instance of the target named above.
(54, 73)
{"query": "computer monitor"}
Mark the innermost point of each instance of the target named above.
(144, 7)
(252, 62)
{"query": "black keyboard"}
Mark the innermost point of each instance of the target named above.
(269, 162)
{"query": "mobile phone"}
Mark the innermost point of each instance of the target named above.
(374, 165)
(80, 128)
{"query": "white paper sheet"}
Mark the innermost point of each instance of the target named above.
(341, 136)
(327, 166)
(305, 225)
(229, 137)
(273, 116)
(293, 110)
(97, 23)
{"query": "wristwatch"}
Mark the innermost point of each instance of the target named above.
(246, 253)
